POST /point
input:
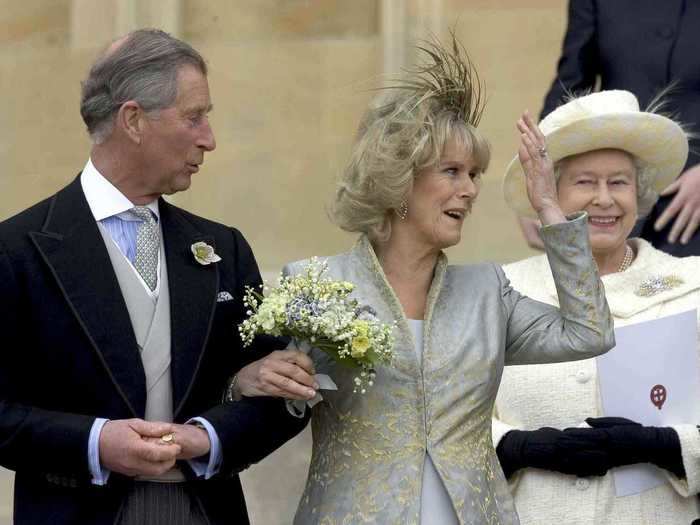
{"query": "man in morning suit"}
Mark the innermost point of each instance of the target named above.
(117, 340)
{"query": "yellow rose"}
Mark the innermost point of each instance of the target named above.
(361, 328)
(360, 345)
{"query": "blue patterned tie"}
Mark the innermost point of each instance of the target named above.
(147, 244)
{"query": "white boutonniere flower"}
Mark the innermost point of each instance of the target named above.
(204, 254)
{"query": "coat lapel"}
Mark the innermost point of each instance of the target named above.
(193, 289)
(71, 245)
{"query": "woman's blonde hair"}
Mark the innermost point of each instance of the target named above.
(405, 131)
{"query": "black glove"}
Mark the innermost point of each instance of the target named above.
(577, 451)
(629, 442)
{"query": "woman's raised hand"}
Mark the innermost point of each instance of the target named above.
(539, 171)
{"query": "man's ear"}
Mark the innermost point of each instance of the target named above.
(131, 119)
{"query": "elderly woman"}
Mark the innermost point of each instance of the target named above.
(416, 447)
(610, 160)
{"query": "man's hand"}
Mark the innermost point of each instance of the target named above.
(283, 373)
(126, 449)
(192, 440)
(685, 206)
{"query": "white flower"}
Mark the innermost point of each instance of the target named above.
(204, 254)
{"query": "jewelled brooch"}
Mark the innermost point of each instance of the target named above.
(657, 284)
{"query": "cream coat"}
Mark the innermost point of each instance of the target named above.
(369, 450)
(563, 395)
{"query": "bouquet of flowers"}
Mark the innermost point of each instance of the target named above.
(319, 311)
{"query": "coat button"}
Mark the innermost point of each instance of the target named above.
(582, 376)
(582, 484)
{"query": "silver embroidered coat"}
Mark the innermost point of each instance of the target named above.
(368, 450)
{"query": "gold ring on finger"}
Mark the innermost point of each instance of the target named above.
(542, 150)
(168, 438)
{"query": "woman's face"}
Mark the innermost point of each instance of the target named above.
(442, 197)
(603, 183)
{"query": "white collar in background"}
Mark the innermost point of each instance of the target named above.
(104, 199)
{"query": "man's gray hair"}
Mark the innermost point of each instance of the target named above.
(142, 68)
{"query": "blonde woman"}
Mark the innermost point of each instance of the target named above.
(416, 448)
(610, 160)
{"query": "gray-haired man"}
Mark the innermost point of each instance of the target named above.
(118, 337)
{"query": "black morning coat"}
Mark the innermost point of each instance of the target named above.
(69, 355)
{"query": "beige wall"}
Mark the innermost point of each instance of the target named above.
(289, 81)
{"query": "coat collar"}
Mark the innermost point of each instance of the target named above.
(364, 254)
(626, 292)
(71, 245)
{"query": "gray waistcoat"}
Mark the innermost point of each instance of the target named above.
(150, 318)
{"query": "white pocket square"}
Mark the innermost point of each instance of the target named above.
(222, 297)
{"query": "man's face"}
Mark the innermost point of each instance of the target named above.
(175, 139)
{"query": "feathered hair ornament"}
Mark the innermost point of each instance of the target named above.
(405, 131)
(447, 78)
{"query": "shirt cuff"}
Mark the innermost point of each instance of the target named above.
(98, 474)
(199, 466)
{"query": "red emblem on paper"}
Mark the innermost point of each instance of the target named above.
(658, 396)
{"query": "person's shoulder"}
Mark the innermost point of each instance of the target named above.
(654, 260)
(525, 266)
(485, 275)
(198, 222)
(225, 236)
(475, 273)
(28, 220)
(333, 263)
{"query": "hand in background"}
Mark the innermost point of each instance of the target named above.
(685, 206)
(123, 448)
(531, 232)
(283, 373)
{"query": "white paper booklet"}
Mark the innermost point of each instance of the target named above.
(652, 377)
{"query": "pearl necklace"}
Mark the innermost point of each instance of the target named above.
(627, 259)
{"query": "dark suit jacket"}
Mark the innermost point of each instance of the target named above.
(641, 46)
(69, 355)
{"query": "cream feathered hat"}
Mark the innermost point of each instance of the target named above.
(607, 119)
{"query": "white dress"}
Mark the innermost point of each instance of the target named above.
(435, 505)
